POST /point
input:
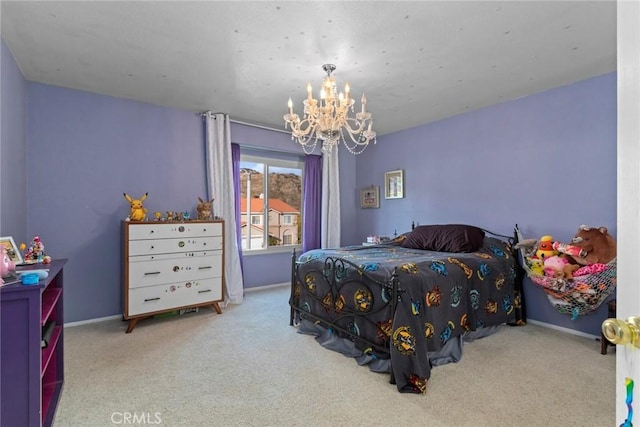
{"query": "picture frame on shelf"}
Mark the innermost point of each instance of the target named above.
(370, 197)
(394, 184)
(13, 250)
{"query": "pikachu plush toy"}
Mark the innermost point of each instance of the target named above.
(138, 212)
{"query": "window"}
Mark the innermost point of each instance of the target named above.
(270, 200)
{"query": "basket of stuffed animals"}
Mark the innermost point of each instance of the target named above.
(576, 277)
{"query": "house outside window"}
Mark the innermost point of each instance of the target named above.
(270, 200)
(286, 239)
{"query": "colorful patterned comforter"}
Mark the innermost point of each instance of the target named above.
(440, 296)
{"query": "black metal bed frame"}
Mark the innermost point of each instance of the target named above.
(331, 273)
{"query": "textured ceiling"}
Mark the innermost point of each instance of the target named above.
(417, 61)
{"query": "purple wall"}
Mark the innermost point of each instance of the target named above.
(13, 148)
(84, 152)
(546, 162)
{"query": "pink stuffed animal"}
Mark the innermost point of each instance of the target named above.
(6, 265)
(559, 267)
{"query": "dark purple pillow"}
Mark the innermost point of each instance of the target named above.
(445, 238)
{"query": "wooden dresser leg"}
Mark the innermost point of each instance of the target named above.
(132, 324)
(216, 307)
(603, 344)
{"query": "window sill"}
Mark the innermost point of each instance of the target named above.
(273, 250)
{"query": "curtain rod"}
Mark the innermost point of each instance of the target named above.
(255, 125)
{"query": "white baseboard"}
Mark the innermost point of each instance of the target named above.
(261, 288)
(560, 328)
(86, 322)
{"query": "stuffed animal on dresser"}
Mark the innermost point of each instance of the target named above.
(204, 209)
(138, 211)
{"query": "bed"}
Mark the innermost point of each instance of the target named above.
(408, 304)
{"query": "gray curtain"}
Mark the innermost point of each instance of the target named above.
(235, 161)
(220, 183)
(330, 199)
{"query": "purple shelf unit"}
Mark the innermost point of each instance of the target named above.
(31, 377)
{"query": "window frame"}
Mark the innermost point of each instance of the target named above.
(271, 159)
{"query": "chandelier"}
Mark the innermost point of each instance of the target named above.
(328, 120)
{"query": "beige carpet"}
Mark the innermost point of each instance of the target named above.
(248, 367)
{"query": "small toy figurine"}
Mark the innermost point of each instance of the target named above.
(158, 215)
(35, 253)
(138, 212)
(204, 209)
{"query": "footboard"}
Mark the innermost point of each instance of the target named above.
(345, 298)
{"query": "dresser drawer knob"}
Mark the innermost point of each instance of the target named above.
(151, 273)
(205, 268)
(206, 290)
(151, 299)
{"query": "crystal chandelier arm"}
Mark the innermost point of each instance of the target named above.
(357, 146)
(359, 135)
(357, 125)
(300, 127)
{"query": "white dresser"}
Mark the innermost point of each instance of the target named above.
(170, 266)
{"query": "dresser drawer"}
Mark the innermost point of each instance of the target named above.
(163, 246)
(177, 255)
(174, 270)
(173, 230)
(151, 299)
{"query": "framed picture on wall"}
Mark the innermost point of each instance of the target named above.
(370, 197)
(394, 184)
(12, 250)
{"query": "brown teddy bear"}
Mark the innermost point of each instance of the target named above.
(600, 246)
